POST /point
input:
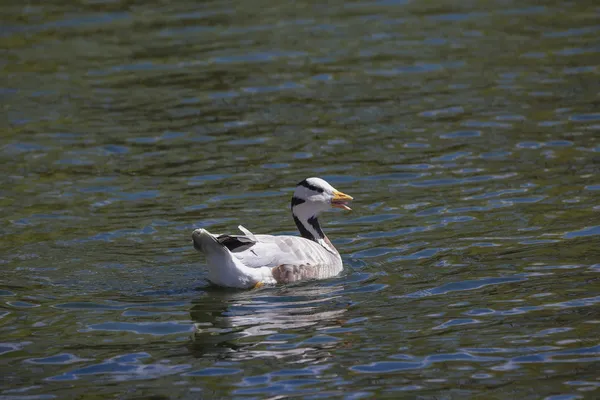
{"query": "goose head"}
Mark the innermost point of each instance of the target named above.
(311, 197)
(315, 195)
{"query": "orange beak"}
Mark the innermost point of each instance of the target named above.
(340, 200)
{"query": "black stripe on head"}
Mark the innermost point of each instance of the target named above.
(309, 186)
(303, 231)
(297, 200)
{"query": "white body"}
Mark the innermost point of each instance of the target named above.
(272, 259)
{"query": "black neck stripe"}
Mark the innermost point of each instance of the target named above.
(311, 187)
(303, 231)
(314, 222)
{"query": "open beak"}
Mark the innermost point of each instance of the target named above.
(340, 200)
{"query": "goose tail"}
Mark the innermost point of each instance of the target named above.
(223, 269)
(206, 243)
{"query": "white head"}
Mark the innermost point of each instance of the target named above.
(311, 197)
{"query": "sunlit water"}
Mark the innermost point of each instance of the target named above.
(467, 132)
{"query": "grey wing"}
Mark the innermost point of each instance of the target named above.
(273, 251)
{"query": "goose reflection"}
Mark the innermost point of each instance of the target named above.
(272, 322)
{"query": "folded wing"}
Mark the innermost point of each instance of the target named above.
(257, 251)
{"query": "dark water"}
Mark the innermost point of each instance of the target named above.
(467, 132)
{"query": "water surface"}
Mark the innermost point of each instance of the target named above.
(466, 132)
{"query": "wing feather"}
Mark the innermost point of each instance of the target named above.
(273, 251)
(247, 232)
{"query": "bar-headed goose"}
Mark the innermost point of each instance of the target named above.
(248, 260)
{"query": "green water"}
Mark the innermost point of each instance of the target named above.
(467, 132)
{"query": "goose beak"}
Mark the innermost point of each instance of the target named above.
(340, 200)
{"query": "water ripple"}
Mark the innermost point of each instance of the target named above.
(470, 255)
(465, 285)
